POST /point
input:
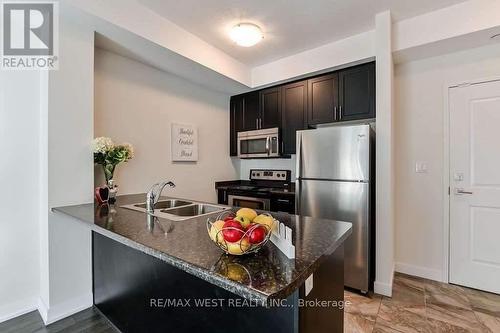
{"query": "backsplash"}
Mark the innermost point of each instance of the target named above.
(272, 163)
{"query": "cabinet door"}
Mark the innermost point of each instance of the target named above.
(294, 113)
(235, 123)
(251, 112)
(323, 99)
(357, 92)
(270, 107)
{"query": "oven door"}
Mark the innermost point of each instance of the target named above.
(248, 202)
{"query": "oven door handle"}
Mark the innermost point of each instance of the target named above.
(268, 145)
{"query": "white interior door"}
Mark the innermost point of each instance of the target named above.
(475, 186)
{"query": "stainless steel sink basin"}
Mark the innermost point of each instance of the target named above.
(177, 210)
(193, 210)
(164, 204)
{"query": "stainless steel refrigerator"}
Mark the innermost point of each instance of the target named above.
(334, 181)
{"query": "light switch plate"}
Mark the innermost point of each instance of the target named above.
(420, 167)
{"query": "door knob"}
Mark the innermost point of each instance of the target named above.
(461, 191)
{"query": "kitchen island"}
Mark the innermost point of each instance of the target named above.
(162, 275)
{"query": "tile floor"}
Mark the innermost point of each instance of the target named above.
(420, 305)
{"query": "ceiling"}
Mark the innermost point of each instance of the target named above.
(290, 26)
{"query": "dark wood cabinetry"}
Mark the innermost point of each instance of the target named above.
(270, 108)
(357, 93)
(251, 111)
(323, 99)
(244, 115)
(294, 113)
(235, 123)
(344, 95)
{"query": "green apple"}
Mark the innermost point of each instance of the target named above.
(244, 221)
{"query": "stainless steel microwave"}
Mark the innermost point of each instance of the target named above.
(259, 143)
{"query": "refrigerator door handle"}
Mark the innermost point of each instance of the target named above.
(299, 156)
(297, 197)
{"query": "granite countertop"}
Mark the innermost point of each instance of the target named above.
(259, 277)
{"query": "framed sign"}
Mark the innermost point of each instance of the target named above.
(184, 142)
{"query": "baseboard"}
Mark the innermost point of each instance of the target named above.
(419, 271)
(384, 288)
(17, 309)
(65, 309)
(381, 288)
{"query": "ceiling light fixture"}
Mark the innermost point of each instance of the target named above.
(246, 34)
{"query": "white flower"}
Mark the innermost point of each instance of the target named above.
(130, 150)
(102, 145)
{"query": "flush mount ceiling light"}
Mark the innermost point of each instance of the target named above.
(246, 34)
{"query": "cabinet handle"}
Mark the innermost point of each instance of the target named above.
(340, 112)
(282, 200)
(260, 123)
(257, 123)
(335, 113)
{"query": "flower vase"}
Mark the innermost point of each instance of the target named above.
(113, 190)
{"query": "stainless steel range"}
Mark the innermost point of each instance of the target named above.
(266, 190)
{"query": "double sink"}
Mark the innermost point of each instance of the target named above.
(176, 209)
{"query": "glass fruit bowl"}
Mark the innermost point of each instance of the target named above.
(240, 237)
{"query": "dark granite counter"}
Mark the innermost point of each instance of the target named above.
(186, 245)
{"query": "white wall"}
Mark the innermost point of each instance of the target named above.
(419, 137)
(273, 163)
(384, 157)
(19, 177)
(67, 128)
(136, 103)
(337, 54)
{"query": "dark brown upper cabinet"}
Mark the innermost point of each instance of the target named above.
(344, 95)
(357, 93)
(251, 111)
(293, 114)
(323, 99)
(235, 122)
(270, 108)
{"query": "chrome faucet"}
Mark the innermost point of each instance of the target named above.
(153, 195)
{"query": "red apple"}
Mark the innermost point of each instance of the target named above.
(257, 233)
(228, 218)
(232, 231)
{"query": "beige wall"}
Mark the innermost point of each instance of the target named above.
(419, 137)
(136, 103)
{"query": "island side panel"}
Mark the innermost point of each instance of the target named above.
(322, 309)
(126, 280)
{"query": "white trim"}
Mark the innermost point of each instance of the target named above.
(446, 185)
(383, 288)
(423, 272)
(473, 81)
(64, 309)
(17, 309)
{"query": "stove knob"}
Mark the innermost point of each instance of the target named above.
(279, 175)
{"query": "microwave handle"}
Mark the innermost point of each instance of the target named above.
(268, 145)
